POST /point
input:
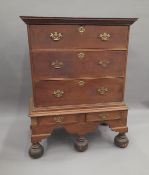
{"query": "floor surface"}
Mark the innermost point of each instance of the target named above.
(102, 157)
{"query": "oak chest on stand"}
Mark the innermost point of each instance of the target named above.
(78, 68)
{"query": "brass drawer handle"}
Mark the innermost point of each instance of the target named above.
(104, 36)
(103, 116)
(102, 90)
(58, 119)
(57, 64)
(81, 83)
(81, 29)
(58, 93)
(55, 36)
(81, 55)
(104, 64)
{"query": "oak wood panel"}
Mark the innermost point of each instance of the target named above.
(72, 38)
(93, 64)
(74, 94)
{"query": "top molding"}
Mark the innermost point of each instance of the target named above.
(32, 20)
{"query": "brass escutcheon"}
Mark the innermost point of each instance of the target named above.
(81, 29)
(58, 93)
(81, 55)
(104, 36)
(102, 90)
(81, 83)
(55, 36)
(58, 119)
(57, 64)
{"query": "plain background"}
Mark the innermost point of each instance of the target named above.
(15, 90)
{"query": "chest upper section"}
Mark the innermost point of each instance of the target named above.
(78, 33)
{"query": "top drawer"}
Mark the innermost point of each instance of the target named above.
(76, 36)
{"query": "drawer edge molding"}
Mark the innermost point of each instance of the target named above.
(77, 49)
(74, 109)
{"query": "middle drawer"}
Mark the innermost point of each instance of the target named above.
(59, 64)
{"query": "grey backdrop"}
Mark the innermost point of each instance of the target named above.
(15, 84)
(15, 90)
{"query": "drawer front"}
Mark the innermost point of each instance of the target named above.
(78, 64)
(74, 92)
(103, 116)
(61, 119)
(75, 36)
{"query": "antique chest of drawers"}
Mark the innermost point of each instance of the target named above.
(78, 68)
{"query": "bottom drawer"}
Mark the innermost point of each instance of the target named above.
(104, 116)
(61, 119)
(78, 91)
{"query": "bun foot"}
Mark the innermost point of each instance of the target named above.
(121, 140)
(36, 150)
(81, 144)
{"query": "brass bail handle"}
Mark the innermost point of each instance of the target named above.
(103, 116)
(56, 36)
(104, 64)
(104, 36)
(57, 64)
(103, 90)
(58, 93)
(58, 119)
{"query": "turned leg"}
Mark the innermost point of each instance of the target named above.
(81, 144)
(36, 150)
(121, 140)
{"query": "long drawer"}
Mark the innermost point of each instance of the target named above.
(77, 36)
(61, 119)
(74, 91)
(59, 64)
